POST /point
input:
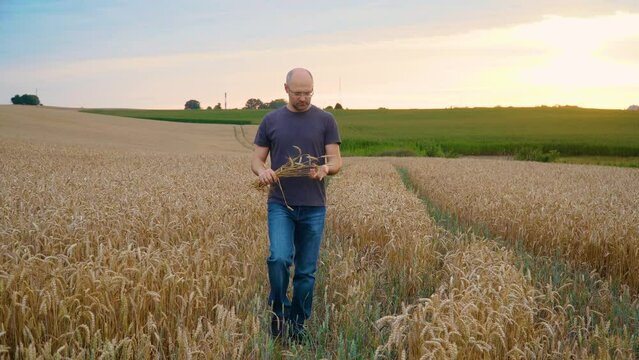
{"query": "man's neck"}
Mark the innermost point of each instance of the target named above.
(292, 109)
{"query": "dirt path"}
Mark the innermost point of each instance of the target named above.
(59, 126)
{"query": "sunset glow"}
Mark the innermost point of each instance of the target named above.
(589, 61)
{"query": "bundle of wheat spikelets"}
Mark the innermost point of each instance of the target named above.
(297, 166)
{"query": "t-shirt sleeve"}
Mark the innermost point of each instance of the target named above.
(261, 138)
(331, 136)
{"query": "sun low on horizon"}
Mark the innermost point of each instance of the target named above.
(589, 60)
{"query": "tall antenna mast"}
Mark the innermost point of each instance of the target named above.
(224, 100)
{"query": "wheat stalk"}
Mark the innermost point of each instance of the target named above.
(297, 166)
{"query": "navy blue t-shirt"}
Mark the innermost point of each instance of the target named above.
(310, 130)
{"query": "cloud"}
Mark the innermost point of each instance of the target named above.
(481, 67)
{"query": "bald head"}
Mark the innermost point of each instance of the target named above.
(299, 74)
(299, 86)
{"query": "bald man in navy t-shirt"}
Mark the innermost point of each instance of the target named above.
(295, 218)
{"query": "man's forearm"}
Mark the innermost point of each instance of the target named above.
(257, 165)
(334, 164)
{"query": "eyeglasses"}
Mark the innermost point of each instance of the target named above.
(301, 93)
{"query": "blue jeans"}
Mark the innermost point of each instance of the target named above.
(294, 238)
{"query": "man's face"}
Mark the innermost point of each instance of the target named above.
(300, 91)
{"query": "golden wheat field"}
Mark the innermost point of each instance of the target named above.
(134, 239)
(588, 214)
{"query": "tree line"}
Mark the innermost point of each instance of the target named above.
(252, 104)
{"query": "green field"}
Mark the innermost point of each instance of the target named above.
(571, 131)
(236, 117)
(625, 161)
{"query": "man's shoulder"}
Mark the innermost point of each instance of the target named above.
(321, 112)
(275, 113)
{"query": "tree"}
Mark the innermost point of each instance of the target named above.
(253, 104)
(338, 106)
(25, 99)
(328, 108)
(276, 104)
(192, 105)
(273, 104)
(208, 108)
(218, 107)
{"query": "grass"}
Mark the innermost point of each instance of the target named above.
(570, 131)
(491, 131)
(619, 161)
(233, 117)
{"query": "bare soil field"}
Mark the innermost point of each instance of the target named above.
(64, 126)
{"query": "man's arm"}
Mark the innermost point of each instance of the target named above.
(258, 165)
(333, 163)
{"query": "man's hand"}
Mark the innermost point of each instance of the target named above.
(319, 172)
(267, 176)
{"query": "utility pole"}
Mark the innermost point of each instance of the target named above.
(224, 100)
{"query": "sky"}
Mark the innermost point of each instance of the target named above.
(363, 54)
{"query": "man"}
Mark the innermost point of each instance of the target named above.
(295, 235)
